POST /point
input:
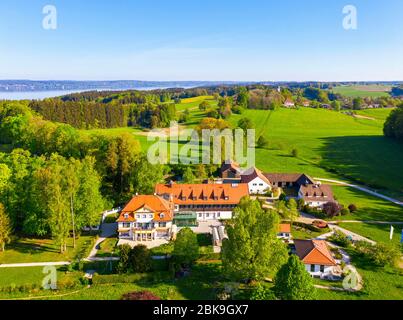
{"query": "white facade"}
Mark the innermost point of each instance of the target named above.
(315, 204)
(258, 186)
(316, 270)
(145, 228)
(214, 215)
(284, 235)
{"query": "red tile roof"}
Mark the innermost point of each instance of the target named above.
(212, 194)
(285, 228)
(162, 209)
(314, 252)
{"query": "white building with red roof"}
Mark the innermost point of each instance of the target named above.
(316, 256)
(205, 201)
(257, 182)
(146, 218)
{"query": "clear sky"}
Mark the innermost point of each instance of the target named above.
(201, 40)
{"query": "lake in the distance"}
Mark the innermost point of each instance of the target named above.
(38, 95)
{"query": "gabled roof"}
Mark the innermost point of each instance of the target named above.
(229, 164)
(252, 174)
(315, 192)
(161, 208)
(284, 228)
(213, 194)
(298, 178)
(314, 252)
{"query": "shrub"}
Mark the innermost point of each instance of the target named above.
(294, 153)
(301, 204)
(262, 293)
(140, 295)
(307, 226)
(331, 209)
(345, 212)
(339, 239)
(140, 259)
(262, 142)
(186, 247)
(124, 255)
(379, 254)
(352, 208)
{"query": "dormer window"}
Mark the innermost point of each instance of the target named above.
(126, 215)
(162, 215)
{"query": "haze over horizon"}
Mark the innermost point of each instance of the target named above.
(254, 41)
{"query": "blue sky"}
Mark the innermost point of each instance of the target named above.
(253, 40)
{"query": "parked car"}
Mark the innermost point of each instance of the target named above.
(320, 224)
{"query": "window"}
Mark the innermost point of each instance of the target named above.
(138, 216)
(144, 216)
(126, 225)
(255, 184)
(312, 268)
(207, 215)
(126, 216)
(163, 224)
(162, 216)
(200, 215)
(322, 268)
(218, 214)
(261, 184)
(150, 216)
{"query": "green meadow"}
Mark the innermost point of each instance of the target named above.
(373, 91)
(329, 144)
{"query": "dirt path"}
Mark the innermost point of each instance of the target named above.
(364, 189)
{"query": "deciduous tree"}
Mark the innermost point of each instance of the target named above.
(252, 250)
(293, 282)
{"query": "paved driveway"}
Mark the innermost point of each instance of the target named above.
(205, 226)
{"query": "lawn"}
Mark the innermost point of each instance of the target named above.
(199, 285)
(375, 232)
(305, 234)
(107, 248)
(329, 144)
(373, 91)
(44, 250)
(369, 207)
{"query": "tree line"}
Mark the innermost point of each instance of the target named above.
(393, 126)
(85, 114)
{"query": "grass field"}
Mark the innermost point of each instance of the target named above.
(373, 91)
(375, 232)
(37, 250)
(305, 234)
(193, 103)
(369, 207)
(108, 248)
(329, 144)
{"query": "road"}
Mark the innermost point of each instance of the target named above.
(361, 188)
(34, 264)
(107, 230)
